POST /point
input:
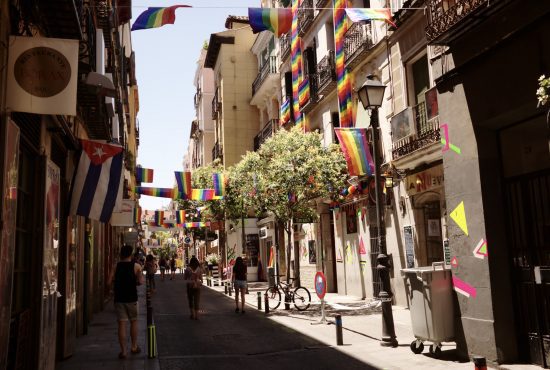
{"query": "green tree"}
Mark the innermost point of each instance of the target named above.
(289, 173)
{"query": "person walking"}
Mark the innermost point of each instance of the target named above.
(173, 268)
(193, 278)
(162, 266)
(239, 282)
(151, 270)
(126, 277)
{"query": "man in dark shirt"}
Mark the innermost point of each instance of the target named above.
(126, 276)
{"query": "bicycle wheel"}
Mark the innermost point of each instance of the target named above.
(273, 297)
(301, 298)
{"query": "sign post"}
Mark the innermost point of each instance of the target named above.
(321, 289)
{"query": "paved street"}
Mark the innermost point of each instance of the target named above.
(223, 339)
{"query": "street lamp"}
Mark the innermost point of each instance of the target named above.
(371, 95)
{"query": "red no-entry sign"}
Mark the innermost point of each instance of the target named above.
(320, 284)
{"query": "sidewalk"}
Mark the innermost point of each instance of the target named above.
(99, 348)
(362, 330)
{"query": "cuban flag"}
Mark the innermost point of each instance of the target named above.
(97, 184)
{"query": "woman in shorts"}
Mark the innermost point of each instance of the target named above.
(239, 282)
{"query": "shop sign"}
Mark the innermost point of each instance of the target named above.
(263, 233)
(429, 179)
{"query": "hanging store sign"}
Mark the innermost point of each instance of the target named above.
(126, 215)
(429, 179)
(42, 75)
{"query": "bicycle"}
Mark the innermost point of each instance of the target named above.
(300, 296)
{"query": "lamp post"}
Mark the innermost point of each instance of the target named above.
(371, 95)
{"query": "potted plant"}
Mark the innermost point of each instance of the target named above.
(212, 260)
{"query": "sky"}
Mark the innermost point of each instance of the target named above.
(166, 61)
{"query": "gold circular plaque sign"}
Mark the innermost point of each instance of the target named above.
(43, 72)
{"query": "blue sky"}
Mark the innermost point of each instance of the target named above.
(166, 60)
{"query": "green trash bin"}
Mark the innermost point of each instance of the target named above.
(431, 305)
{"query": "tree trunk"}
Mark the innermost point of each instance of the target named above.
(296, 264)
(221, 247)
(288, 249)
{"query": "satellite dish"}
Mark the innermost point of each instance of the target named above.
(102, 83)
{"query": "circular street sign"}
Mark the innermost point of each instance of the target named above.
(320, 284)
(187, 240)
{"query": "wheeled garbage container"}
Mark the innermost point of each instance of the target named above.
(431, 306)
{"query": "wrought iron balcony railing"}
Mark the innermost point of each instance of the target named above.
(309, 104)
(267, 131)
(217, 151)
(216, 105)
(61, 18)
(284, 42)
(427, 133)
(319, 4)
(326, 72)
(305, 16)
(445, 15)
(357, 41)
(269, 67)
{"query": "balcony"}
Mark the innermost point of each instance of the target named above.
(309, 104)
(357, 43)
(268, 131)
(424, 133)
(62, 18)
(284, 42)
(326, 72)
(449, 19)
(197, 98)
(216, 105)
(269, 67)
(104, 10)
(217, 151)
(305, 16)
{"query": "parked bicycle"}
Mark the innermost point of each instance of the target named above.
(299, 296)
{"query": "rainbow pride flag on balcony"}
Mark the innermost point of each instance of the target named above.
(303, 92)
(276, 20)
(353, 142)
(155, 17)
(203, 194)
(144, 174)
(285, 112)
(365, 14)
(190, 225)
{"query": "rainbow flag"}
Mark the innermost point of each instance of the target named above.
(156, 192)
(155, 17)
(296, 62)
(203, 194)
(276, 20)
(364, 14)
(220, 181)
(137, 214)
(184, 183)
(144, 174)
(196, 224)
(285, 112)
(159, 218)
(303, 92)
(180, 216)
(271, 262)
(353, 142)
(343, 86)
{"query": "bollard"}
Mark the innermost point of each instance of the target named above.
(259, 300)
(287, 302)
(230, 289)
(479, 363)
(225, 287)
(338, 322)
(151, 341)
(266, 303)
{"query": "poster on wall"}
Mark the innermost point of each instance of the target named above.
(49, 267)
(409, 245)
(7, 243)
(42, 75)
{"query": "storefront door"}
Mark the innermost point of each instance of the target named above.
(432, 227)
(526, 167)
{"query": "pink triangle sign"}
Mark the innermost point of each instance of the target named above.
(454, 262)
(362, 249)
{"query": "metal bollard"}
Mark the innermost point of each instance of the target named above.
(338, 322)
(259, 300)
(266, 303)
(151, 331)
(479, 363)
(230, 289)
(225, 287)
(287, 302)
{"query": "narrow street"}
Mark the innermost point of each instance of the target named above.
(225, 339)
